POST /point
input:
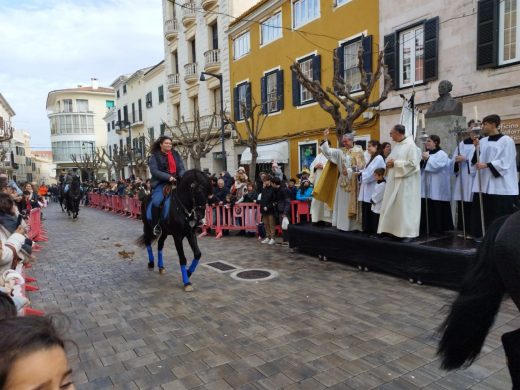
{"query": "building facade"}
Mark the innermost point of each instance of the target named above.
(76, 121)
(267, 39)
(473, 44)
(138, 118)
(6, 133)
(195, 41)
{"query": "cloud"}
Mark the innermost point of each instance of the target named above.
(55, 44)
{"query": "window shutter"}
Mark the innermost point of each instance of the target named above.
(263, 92)
(235, 103)
(431, 49)
(340, 52)
(487, 34)
(248, 99)
(279, 90)
(295, 90)
(391, 56)
(316, 67)
(366, 43)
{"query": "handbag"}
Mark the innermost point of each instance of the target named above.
(285, 223)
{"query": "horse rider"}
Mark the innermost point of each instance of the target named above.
(68, 180)
(166, 167)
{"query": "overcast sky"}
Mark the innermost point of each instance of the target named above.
(55, 44)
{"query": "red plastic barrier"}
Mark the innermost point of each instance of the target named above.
(299, 208)
(241, 216)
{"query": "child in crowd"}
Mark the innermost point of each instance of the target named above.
(377, 197)
(33, 355)
(268, 210)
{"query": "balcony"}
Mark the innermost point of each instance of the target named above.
(188, 13)
(121, 130)
(212, 60)
(208, 4)
(170, 29)
(173, 82)
(6, 131)
(190, 73)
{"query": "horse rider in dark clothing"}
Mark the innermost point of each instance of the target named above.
(166, 167)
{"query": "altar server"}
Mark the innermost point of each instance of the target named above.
(496, 176)
(435, 188)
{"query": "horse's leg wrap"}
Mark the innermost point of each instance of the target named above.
(185, 278)
(160, 259)
(193, 266)
(511, 342)
(150, 254)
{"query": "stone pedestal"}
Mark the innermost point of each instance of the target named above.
(442, 126)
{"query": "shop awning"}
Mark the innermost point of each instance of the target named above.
(268, 152)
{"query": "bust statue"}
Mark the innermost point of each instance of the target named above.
(445, 104)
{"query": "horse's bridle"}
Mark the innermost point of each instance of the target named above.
(189, 215)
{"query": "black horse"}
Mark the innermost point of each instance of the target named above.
(187, 209)
(73, 197)
(495, 273)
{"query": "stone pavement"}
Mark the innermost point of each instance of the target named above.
(317, 325)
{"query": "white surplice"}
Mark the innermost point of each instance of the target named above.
(319, 210)
(435, 177)
(401, 208)
(368, 181)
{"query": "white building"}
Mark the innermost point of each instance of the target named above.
(196, 41)
(6, 132)
(76, 120)
(474, 44)
(138, 116)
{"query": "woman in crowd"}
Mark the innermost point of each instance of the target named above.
(435, 188)
(33, 355)
(368, 183)
(268, 210)
(305, 191)
(387, 149)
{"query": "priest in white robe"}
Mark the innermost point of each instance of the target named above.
(320, 212)
(346, 160)
(496, 176)
(464, 173)
(436, 216)
(401, 208)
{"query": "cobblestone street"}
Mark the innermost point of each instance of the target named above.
(316, 325)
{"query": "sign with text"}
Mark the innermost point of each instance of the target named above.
(511, 127)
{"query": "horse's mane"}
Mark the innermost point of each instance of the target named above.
(194, 175)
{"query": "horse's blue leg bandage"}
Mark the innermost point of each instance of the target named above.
(193, 266)
(150, 253)
(185, 278)
(160, 259)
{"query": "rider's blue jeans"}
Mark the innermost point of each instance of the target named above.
(156, 200)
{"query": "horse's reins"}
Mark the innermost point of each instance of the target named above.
(188, 214)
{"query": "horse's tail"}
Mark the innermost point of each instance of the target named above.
(473, 312)
(141, 241)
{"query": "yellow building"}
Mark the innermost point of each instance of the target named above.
(268, 38)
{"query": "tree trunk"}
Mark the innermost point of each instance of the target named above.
(252, 167)
(196, 162)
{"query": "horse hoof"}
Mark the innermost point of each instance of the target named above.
(162, 271)
(188, 288)
(150, 265)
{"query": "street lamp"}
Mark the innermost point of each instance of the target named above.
(127, 124)
(219, 78)
(92, 150)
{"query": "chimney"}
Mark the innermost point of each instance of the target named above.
(95, 83)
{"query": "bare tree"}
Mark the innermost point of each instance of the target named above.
(254, 118)
(89, 162)
(196, 138)
(344, 106)
(114, 162)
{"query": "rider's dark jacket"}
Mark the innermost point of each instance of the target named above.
(158, 164)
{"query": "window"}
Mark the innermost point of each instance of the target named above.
(411, 56)
(163, 128)
(509, 33)
(108, 127)
(214, 36)
(110, 151)
(341, 2)
(125, 114)
(67, 105)
(311, 67)
(272, 91)
(349, 64)
(124, 89)
(304, 11)
(133, 112)
(271, 28)
(161, 94)
(140, 110)
(82, 105)
(242, 96)
(148, 100)
(113, 125)
(216, 100)
(151, 133)
(118, 95)
(177, 112)
(109, 104)
(241, 46)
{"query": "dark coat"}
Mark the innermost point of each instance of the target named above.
(283, 200)
(219, 195)
(268, 201)
(158, 164)
(251, 197)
